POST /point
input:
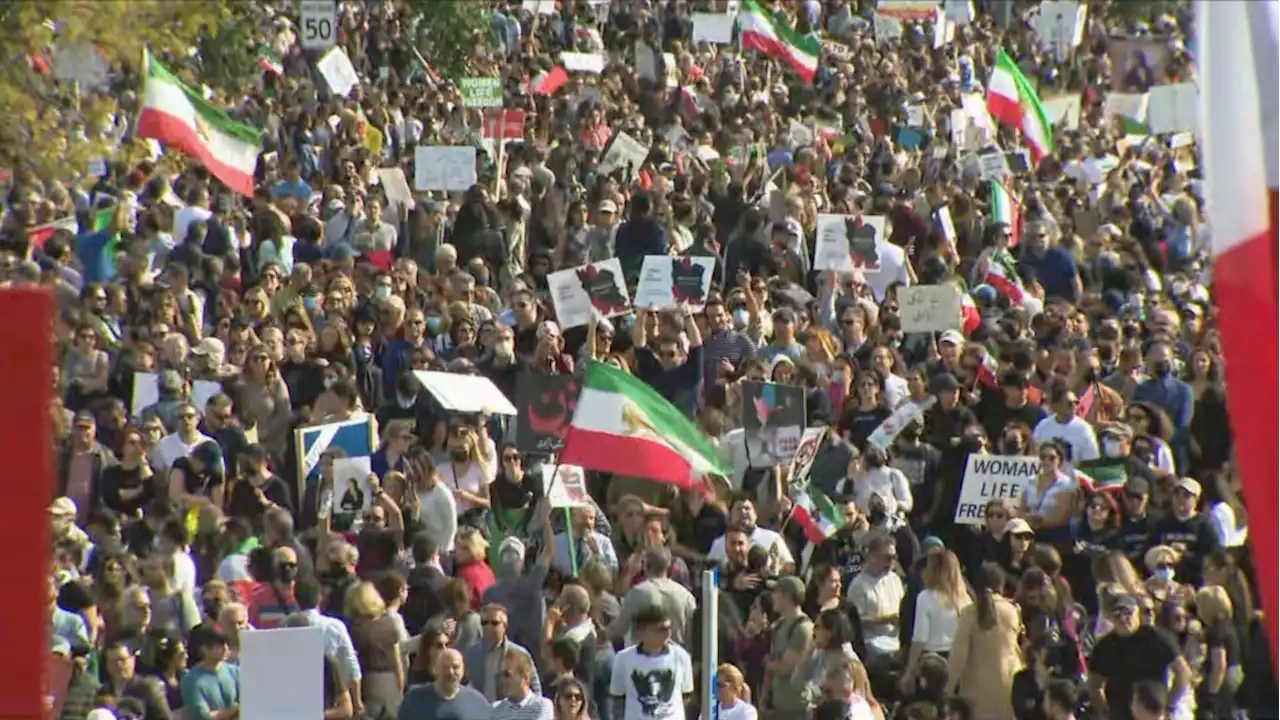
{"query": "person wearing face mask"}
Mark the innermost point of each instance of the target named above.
(271, 599)
(397, 357)
(1112, 471)
(1169, 393)
(920, 462)
(1187, 531)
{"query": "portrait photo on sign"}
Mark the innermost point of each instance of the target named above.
(599, 288)
(767, 406)
(1138, 63)
(544, 409)
(667, 282)
(849, 242)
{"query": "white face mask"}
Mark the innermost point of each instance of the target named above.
(1111, 448)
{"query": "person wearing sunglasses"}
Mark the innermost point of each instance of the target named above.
(522, 700)
(571, 701)
(1131, 653)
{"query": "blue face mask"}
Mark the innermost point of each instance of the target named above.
(433, 323)
(1163, 574)
(382, 292)
(311, 303)
(740, 318)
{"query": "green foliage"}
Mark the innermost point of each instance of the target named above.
(53, 126)
(449, 34)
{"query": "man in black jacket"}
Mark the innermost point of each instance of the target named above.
(425, 581)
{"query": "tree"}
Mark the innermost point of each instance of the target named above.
(449, 34)
(59, 125)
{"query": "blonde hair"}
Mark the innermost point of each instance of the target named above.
(942, 575)
(733, 676)
(471, 539)
(365, 601)
(1213, 604)
(825, 341)
(1115, 568)
(394, 428)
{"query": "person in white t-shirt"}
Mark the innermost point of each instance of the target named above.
(178, 445)
(732, 695)
(652, 679)
(742, 513)
(1071, 429)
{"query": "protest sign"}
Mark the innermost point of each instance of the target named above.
(481, 92)
(595, 288)
(929, 308)
(566, 486)
(282, 674)
(1173, 109)
(775, 415)
(583, 62)
(338, 72)
(806, 452)
(357, 438)
(544, 409)
(465, 393)
(623, 153)
(444, 167)
(849, 242)
(907, 413)
(715, 28)
(988, 477)
(395, 186)
(666, 282)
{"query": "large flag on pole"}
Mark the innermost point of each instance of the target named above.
(763, 33)
(1012, 100)
(180, 117)
(624, 426)
(1238, 76)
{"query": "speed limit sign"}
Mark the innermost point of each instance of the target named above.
(319, 23)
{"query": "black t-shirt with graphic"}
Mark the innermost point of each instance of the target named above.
(1123, 661)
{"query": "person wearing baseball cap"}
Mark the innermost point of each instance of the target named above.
(1188, 531)
(1130, 654)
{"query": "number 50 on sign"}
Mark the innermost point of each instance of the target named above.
(319, 23)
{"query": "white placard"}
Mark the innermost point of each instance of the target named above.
(318, 26)
(624, 150)
(945, 224)
(1059, 25)
(836, 250)
(716, 28)
(338, 71)
(679, 139)
(800, 134)
(583, 62)
(673, 70)
(975, 106)
(146, 392)
(959, 12)
(574, 306)
(908, 412)
(282, 674)
(353, 472)
(992, 166)
(944, 31)
(1063, 111)
(662, 276)
(929, 308)
(1131, 105)
(988, 477)
(539, 7)
(83, 63)
(396, 186)
(1173, 109)
(915, 116)
(886, 28)
(465, 393)
(444, 167)
(566, 486)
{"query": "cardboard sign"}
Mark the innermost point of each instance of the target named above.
(992, 166)
(579, 292)
(666, 282)
(623, 152)
(929, 308)
(849, 242)
(988, 477)
(806, 452)
(774, 414)
(715, 28)
(583, 62)
(338, 72)
(444, 167)
(1174, 109)
(544, 409)
(886, 28)
(395, 186)
(282, 673)
(1063, 111)
(907, 413)
(566, 486)
(465, 393)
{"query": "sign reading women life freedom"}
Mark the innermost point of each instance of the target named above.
(988, 477)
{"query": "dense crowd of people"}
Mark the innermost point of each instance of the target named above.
(1117, 585)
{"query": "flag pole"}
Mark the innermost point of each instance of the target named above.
(568, 522)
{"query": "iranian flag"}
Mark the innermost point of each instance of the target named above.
(1012, 100)
(180, 117)
(761, 32)
(38, 235)
(816, 514)
(269, 61)
(1006, 209)
(623, 426)
(970, 316)
(1238, 76)
(1001, 273)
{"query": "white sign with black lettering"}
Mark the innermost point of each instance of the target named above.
(929, 308)
(319, 23)
(988, 477)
